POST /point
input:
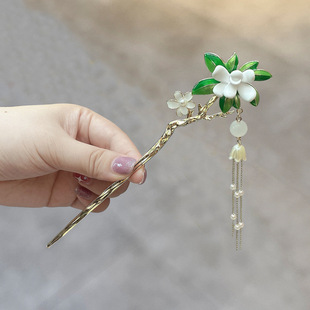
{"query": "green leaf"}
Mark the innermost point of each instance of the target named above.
(236, 102)
(255, 102)
(232, 63)
(204, 87)
(225, 104)
(212, 60)
(249, 65)
(262, 75)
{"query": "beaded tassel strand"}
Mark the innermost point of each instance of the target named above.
(238, 129)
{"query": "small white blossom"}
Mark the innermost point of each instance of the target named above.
(182, 103)
(236, 81)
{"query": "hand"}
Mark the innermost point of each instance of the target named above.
(61, 155)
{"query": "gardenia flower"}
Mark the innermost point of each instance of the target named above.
(238, 153)
(231, 83)
(182, 103)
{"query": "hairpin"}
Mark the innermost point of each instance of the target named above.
(231, 86)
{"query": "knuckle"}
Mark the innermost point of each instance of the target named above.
(96, 164)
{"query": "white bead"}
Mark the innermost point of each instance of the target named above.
(233, 216)
(233, 187)
(241, 193)
(239, 226)
(236, 194)
(238, 129)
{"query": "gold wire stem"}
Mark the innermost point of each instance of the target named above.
(233, 200)
(171, 127)
(240, 203)
(241, 187)
(237, 203)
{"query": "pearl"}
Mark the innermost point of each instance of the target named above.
(233, 216)
(233, 187)
(241, 193)
(239, 226)
(238, 129)
(236, 194)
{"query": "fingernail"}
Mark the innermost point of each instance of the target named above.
(144, 177)
(82, 178)
(83, 192)
(123, 165)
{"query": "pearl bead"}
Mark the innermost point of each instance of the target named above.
(236, 194)
(233, 187)
(233, 216)
(239, 226)
(238, 129)
(241, 193)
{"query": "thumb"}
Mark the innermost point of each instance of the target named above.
(95, 162)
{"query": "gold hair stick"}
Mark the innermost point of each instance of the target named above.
(171, 127)
(231, 86)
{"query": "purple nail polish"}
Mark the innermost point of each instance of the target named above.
(144, 177)
(83, 192)
(82, 178)
(123, 165)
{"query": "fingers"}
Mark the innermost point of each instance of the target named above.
(81, 203)
(97, 187)
(95, 162)
(88, 190)
(99, 131)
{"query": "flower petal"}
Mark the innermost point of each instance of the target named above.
(190, 105)
(238, 153)
(221, 74)
(247, 92)
(188, 96)
(248, 76)
(236, 77)
(178, 96)
(179, 113)
(230, 91)
(182, 111)
(172, 104)
(218, 89)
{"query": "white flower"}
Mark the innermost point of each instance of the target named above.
(238, 153)
(231, 83)
(182, 103)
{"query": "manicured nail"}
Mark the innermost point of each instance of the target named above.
(144, 177)
(82, 178)
(83, 192)
(123, 165)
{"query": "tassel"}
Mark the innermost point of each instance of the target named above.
(238, 155)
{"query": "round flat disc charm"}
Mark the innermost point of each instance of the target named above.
(238, 129)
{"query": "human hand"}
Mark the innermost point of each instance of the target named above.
(61, 155)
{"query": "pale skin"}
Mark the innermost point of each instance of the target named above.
(43, 148)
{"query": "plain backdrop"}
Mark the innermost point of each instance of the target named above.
(166, 244)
